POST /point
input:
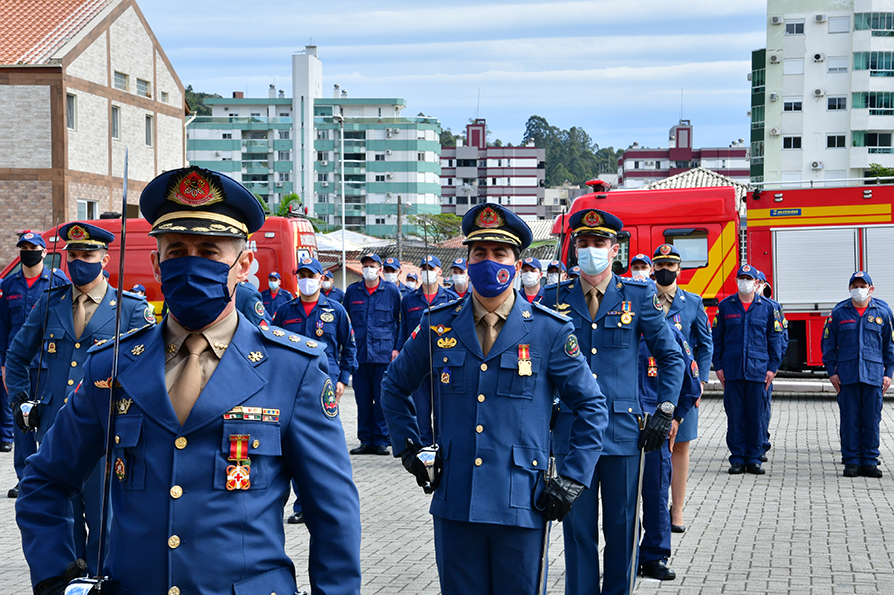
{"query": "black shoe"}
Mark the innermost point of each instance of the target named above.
(763, 458)
(657, 569)
(736, 469)
(678, 528)
(851, 470)
(13, 491)
(296, 519)
(870, 471)
(5, 446)
(755, 469)
(364, 449)
(382, 450)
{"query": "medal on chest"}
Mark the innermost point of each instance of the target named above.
(677, 322)
(627, 316)
(524, 360)
(653, 368)
(239, 475)
(120, 471)
(319, 330)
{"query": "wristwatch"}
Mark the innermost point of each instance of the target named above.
(667, 408)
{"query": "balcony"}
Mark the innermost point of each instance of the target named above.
(251, 146)
(261, 187)
(237, 120)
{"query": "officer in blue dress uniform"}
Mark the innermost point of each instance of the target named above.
(251, 304)
(331, 292)
(275, 296)
(374, 307)
(80, 315)
(213, 417)
(858, 352)
(391, 273)
(19, 293)
(499, 360)
(763, 288)
(412, 309)
(460, 276)
(609, 314)
(747, 334)
(531, 277)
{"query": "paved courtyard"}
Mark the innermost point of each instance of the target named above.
(801, 528)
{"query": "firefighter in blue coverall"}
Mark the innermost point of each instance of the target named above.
(412, 309)
(391, 273)
(499, 360)
(531, 276)
(374, 307)
(610, 313)
(329, 290)
(858, 352)
(19, 293)
(747, 335)
(763, 288)
(321, 320)
(275, 296)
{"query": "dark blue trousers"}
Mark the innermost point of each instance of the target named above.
(616, 479)
(486, 559)
(768, 402)
(656, 542)
(744, 403)
(371, 427)
(86, 508)
(7, 426)
(860, 405)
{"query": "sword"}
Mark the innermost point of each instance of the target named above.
(428, 455)
(639, 495)
(548, 475)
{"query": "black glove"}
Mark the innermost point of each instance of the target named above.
(21, 398)
(417, 468)
(655, 432)
(558, 496)
(57, 584)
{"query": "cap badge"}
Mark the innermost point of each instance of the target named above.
(858, 274)
(593, 219)
(458, 261)
(746, 268)
(28, 236)
(489, 218)
(306, 261)
(665, 249)
(77, 233)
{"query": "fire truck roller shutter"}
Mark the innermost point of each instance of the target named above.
(878, 260)
(808, 264)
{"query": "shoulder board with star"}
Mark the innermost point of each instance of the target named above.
(56, 288)
(106, 343)
(550, 311)
(274, 334)
(132, 297)
(451, 304)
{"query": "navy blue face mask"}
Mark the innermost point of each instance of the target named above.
(195, 289)
(490, 278)
(83, 273)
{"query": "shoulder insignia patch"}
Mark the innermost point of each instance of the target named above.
(259, 309)
(415, 331)
(572, 348)
(686, 347)
(327, 399)
(149, 314)
(826, 332)
(693, 367)
(777, 326)
(714, 324)
(656, 302)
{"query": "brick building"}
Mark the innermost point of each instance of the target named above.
(80, 82)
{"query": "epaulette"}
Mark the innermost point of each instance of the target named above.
(445, 305)
(841, 304)
(106, 343)
(133, 296)
(636, 280)
(564, 283)
(58, 287)
(550, 311)
(275, 334)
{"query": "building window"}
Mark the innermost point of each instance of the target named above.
(877, 142)
(283, 155)
(493, 181)
(71, 111)
(283, 135)
(322, 177)
(226, 135)
(450, 181)
(164, 97)
(116, 122)
(758, 80)
(757, 117)
(839, 24)
(837, 64)
(420, 156)
(87, 209)
(322, 135)
(380, 157)
(255, 114)
(791, 142)
(837, 103)
(285, 177)
(794, 27)
(149, 134)
(880, 103)
(120, 81)
(380, 221)
(880, 23)
(757, 152)
(144, 88)
(321, 156)
(793, 66)
(877, 63)
(380, 177)
(285, 115)
(836, 141)
(791, 104)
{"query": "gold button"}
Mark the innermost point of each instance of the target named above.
(445, 360)
(481, 398)
(173, 542)
(70, 382)
(117, 439)
(594, 376)
(77, 345)
(479, 428)
(478, 462)
(619, 324)
(74, 364)
(176, 492)
(173, 591)
(256, 444)
(594, 326)
(629, 410)
(593, 351)
(534, 462)
(180, 443)
(484, 367)
(65, 400)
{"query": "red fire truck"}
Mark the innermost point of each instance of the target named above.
(807, 241)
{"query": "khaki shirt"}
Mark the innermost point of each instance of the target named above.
(478, 312)
(94, 299)
(218, 336)
(666, 298)
(601, 287)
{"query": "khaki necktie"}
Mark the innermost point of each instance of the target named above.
(490, 332)
(188, 386)
(593, 302)
(80, 315)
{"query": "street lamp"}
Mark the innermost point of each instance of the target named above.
(341, 166)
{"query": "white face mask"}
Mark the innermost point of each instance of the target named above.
(429, 277)
(327, 285)
(308, 286)
(392, 277)
(370, 273)
(641, 274)
(274, 285)
(746, 286)
(411, 284)
(531, 278)
(552, 278)
(860, 294)
(460, 280)
(593, 261)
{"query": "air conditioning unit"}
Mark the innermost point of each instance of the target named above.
(820, 18)
(818, 92)
(388, 132)
(818, 57)
(217, 153)
(816, 165)
(774, 97)
(387, 195)
(774, 132)
(749, 77)
(388, 152)
(324, 184)
(776, 20)
(324, 163)
(774, 59)
(389, 176)
(279, 184)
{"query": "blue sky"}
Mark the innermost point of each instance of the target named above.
(616, 68)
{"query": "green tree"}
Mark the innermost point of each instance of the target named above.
(438, 227)
(880, 171)
(196, 101)
(448, 139)
(571, 155)
(288, 202)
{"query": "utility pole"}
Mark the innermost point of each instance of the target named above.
(400, 255)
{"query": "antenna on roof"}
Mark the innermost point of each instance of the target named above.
(681, 105)
(478, 103)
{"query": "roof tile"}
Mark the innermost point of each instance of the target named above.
(33, 30)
